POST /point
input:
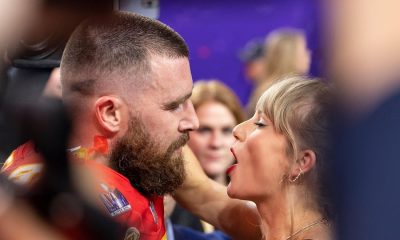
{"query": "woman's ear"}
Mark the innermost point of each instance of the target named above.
(305, 163)
(108, 111)
(307, 160)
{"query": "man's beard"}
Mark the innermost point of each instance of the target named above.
(142, 161)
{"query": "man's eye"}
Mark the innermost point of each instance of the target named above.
(176, 106)
(173, 106)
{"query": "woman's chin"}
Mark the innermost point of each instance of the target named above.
(241, 193)
(232, 191)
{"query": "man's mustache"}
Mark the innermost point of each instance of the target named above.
(180, 142)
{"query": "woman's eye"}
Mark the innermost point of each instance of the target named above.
(260, 124)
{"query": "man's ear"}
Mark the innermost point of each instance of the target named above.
(305, 162)
(108, 111)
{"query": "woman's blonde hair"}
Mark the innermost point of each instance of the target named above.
(216, 91)
(292, 105)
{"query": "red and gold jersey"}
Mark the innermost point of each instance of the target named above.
(123, 202)
(143, 216)
(24, 165)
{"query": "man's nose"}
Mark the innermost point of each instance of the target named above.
(189, 121)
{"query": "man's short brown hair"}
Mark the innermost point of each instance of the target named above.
(119, 45)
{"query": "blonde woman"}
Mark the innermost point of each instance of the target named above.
(282, 167)
(286, 54)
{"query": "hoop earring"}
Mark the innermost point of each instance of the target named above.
(292, 180)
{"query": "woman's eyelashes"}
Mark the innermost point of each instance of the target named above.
(260, 124)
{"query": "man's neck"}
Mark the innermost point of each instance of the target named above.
(84, 149)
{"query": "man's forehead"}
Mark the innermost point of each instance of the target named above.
(170, 76)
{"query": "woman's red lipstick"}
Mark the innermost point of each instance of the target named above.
(231, 168)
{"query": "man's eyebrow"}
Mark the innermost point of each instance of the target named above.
(173, 104)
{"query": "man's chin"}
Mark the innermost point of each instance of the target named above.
(160, 191)
(178, 152)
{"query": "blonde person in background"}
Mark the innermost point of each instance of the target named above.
(286, 54)
(219, 111)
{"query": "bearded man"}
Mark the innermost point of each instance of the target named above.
(126, 82)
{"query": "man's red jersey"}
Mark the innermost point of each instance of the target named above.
(144, 216)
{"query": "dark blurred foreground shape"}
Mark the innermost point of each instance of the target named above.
(365, 58)
(29, 58)
(54, 200)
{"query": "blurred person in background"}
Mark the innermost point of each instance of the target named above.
(218, 110)
(364, 49)
(286, 54)
(282, 155)
(252, 56)
(15, 18)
